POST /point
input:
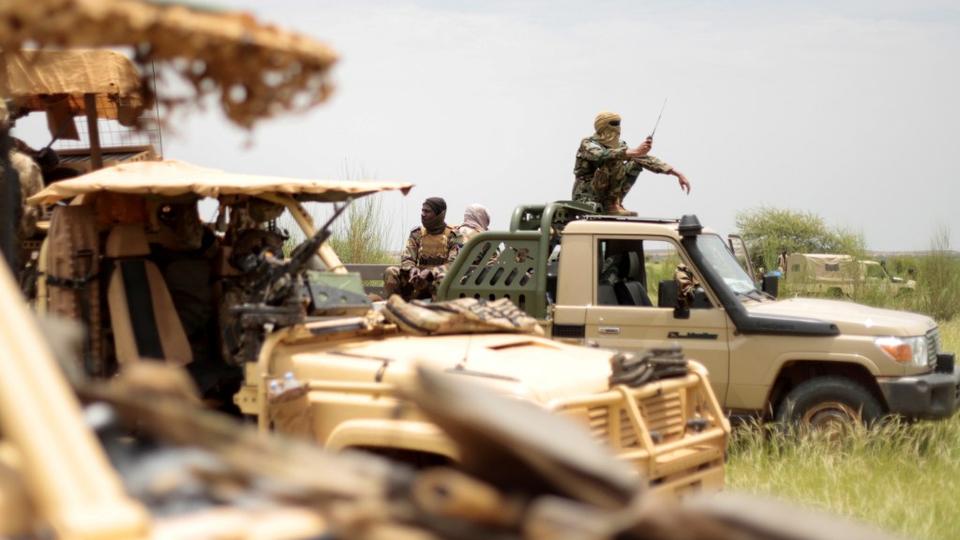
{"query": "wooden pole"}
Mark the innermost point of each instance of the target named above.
(93, 131)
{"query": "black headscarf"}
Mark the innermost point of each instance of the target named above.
(439, 207)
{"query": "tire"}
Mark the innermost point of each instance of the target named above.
(826, 401)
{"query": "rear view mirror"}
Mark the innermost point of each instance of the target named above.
(771, 285)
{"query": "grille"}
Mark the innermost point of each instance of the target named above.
(662, 414)
(599, 421)
(933, 346)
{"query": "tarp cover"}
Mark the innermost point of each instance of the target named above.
(824, 266)
(256, 69)
(171, 178)
(36, 80)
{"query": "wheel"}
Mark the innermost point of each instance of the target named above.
(829, 402)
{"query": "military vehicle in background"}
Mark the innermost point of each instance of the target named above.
(295, 338)
(613, 282)
(839, 275)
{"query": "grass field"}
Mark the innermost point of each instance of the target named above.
(900, 477)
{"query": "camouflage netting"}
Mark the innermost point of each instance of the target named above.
(461, 316)
(256, 70)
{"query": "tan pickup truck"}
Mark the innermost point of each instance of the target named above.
(294, 342)
(611, 282)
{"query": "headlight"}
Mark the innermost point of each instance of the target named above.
(906, 350)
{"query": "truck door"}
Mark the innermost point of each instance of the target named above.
(626, 312)
(742, 254)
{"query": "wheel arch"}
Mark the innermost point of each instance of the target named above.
(794, 372)
(386, 435)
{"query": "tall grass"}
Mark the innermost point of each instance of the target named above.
(938, 279)
(937, 276)
(898, 476)
(360, 236)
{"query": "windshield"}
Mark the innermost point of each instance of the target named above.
(718, 256)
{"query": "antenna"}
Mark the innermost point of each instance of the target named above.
(664, 106)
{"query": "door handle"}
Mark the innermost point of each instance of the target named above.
(609, 330)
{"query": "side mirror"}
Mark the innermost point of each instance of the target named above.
(771, 285)
(667, 294)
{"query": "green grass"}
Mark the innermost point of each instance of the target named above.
(900, 477)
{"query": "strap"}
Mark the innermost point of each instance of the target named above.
(140, 306)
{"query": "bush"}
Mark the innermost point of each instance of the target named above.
(770, 231)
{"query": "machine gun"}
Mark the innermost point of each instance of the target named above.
(272, 295)
(274, 278)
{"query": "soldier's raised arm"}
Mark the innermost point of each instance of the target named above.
(591, 150)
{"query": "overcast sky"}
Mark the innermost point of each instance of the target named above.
(849, 110)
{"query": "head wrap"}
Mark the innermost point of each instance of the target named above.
(476, 217)
(439, 207)
(437, 204)
(608, 135)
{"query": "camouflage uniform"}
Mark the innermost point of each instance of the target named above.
(686, 286)
(605, 175)
(424, 251)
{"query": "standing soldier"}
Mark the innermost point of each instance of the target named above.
(606, 167)
(430, 249)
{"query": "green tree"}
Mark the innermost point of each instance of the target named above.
(770, 231)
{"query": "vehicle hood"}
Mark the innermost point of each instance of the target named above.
(521, 365)
(850, 318)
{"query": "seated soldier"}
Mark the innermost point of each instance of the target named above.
(476, 220)
(430, 249)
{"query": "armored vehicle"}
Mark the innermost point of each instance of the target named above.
(293, 342)
(635, 283)
(840, 275)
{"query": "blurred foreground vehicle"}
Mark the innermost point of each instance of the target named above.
(141, 461)
(293, 340)
(633, 284)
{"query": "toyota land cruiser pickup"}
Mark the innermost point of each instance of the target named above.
(613, 282)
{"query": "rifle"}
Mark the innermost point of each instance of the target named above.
(658, 118)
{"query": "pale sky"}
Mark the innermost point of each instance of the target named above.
(849, 110)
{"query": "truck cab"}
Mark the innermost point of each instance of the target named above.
(612, 282)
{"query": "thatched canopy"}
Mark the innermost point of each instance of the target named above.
(256, 70)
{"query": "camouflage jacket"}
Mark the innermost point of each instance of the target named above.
(424, 250)
(592, 155)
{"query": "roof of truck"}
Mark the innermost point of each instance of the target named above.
(171, 178)
(623, 225)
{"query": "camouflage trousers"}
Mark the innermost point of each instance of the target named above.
(601, 189)
(396, 280)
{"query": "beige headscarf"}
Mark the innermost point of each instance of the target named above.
(608, 135)
(476, 217)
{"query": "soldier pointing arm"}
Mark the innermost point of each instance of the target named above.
(606, 167)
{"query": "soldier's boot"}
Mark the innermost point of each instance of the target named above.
(615, 207)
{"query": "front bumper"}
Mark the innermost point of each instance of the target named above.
(930, 395)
